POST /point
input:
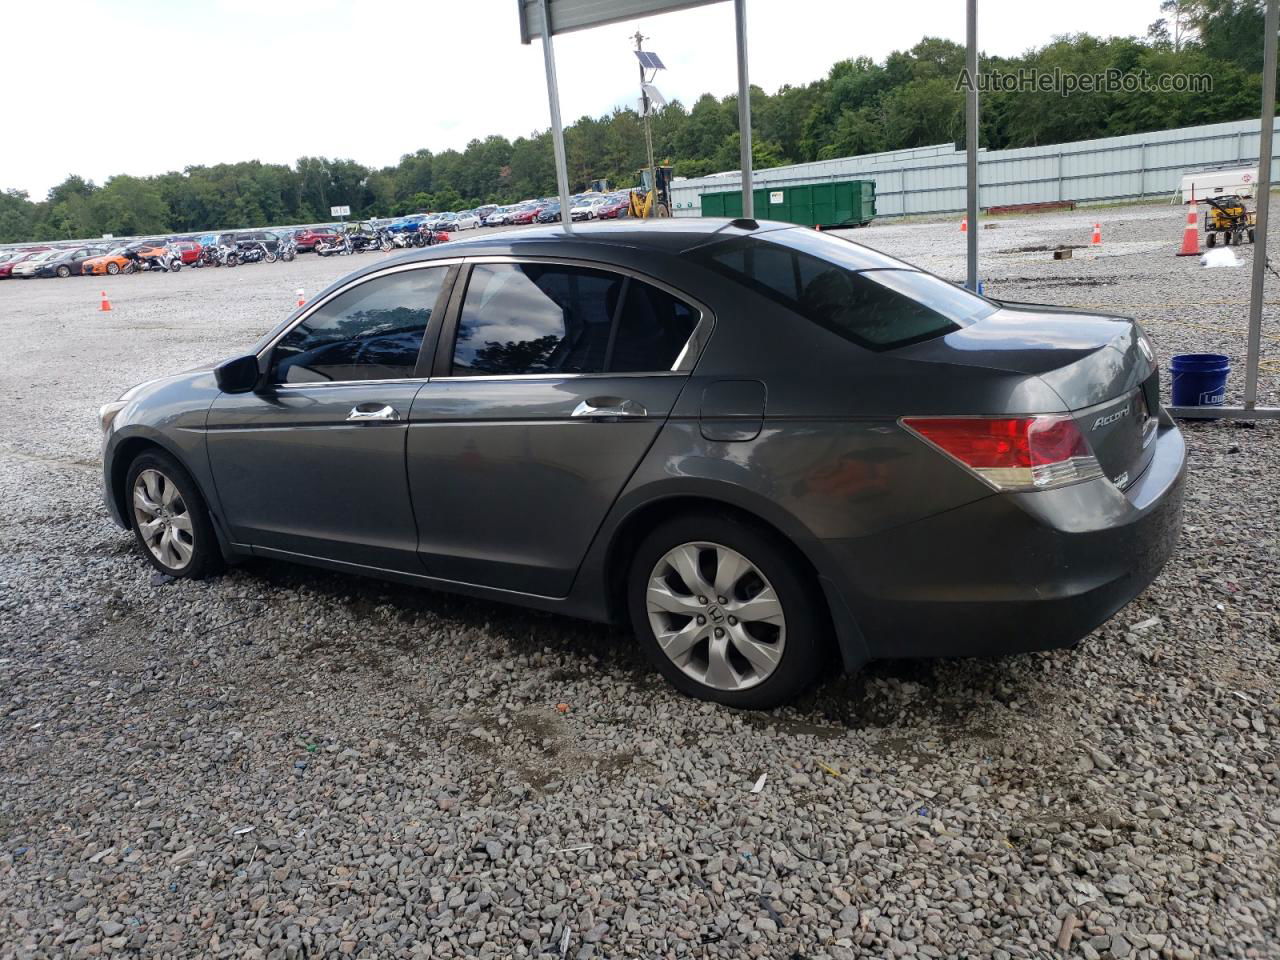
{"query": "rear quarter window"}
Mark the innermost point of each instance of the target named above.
(869, 299)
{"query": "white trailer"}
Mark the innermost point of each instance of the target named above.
(1219, 183)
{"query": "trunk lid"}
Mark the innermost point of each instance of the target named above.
(1102, 367)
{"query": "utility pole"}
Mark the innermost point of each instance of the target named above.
(645, 107)
(971, 143)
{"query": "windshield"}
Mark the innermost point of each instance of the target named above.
(863, 296)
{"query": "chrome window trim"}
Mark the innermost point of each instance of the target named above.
(357, 281)
(685, 361)
(558, 376)
(311, 385)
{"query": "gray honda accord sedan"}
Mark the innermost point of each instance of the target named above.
(768, 449)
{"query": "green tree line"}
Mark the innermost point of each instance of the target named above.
(912, 98)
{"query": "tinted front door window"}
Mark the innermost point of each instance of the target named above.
(372, 332)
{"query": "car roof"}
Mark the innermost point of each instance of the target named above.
(668, 235)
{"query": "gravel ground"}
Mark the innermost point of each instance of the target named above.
(289, 763)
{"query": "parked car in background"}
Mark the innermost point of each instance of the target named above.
(523, 214)
(588, 208)
(463, 221)
(612, 209)
(10, 259)
(265, 237)
(111, 263)
(67, 263)
(484, 210)
(188, 251)
(28, 267)
(496, 217)
(308, 238)
(934, 473)
(550, 213)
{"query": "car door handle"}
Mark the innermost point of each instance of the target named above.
(372, 411)
(608, 408)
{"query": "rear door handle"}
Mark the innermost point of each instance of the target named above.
(372, 411)
(608, 408)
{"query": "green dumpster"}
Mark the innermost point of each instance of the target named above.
(841, 203)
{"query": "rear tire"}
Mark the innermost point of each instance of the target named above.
(64, 271)
(760, 648)
(1211, 240)
(170, 519)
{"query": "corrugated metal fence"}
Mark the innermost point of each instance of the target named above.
(932, 179)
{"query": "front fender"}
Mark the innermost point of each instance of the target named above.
(169, 413)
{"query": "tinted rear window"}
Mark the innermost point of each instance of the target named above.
(863, 296)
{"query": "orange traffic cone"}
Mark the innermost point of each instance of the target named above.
(301, 298)
(1097, 235)
(964, 225)
(1190, 236)
(105, 307)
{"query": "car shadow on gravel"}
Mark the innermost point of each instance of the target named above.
(946, 695)
(518, 629)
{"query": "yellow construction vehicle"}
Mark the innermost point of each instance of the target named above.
(653, 197)
(1228, 218)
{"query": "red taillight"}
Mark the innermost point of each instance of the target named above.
(1013, 453)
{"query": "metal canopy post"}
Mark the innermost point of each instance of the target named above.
(546, 18)
(1263, 204)
(557, 128)
(971, 142)
(1251, 410)
(744, 108)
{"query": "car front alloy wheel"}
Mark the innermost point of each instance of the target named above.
(169, 518)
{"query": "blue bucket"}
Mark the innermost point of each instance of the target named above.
(1199, 379)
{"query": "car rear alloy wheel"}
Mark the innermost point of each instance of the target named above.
(64, 271)
(169, 517)
(715, 616)
(725, 611)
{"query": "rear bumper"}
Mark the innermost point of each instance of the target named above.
(1016, 572)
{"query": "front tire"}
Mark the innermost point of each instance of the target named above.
(169, 518)
(725, 613)
(113, 269)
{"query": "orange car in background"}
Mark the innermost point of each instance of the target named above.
(112, 263)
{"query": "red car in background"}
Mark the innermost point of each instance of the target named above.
(523, 215)
(613, 209)
(13, 257)
(188, 250)
(307, 239)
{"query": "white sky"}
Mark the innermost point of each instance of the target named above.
(105, 88)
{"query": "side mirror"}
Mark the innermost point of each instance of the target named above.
(239, 375)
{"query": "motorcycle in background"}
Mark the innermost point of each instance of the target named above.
(254, 251)
(339, 246)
